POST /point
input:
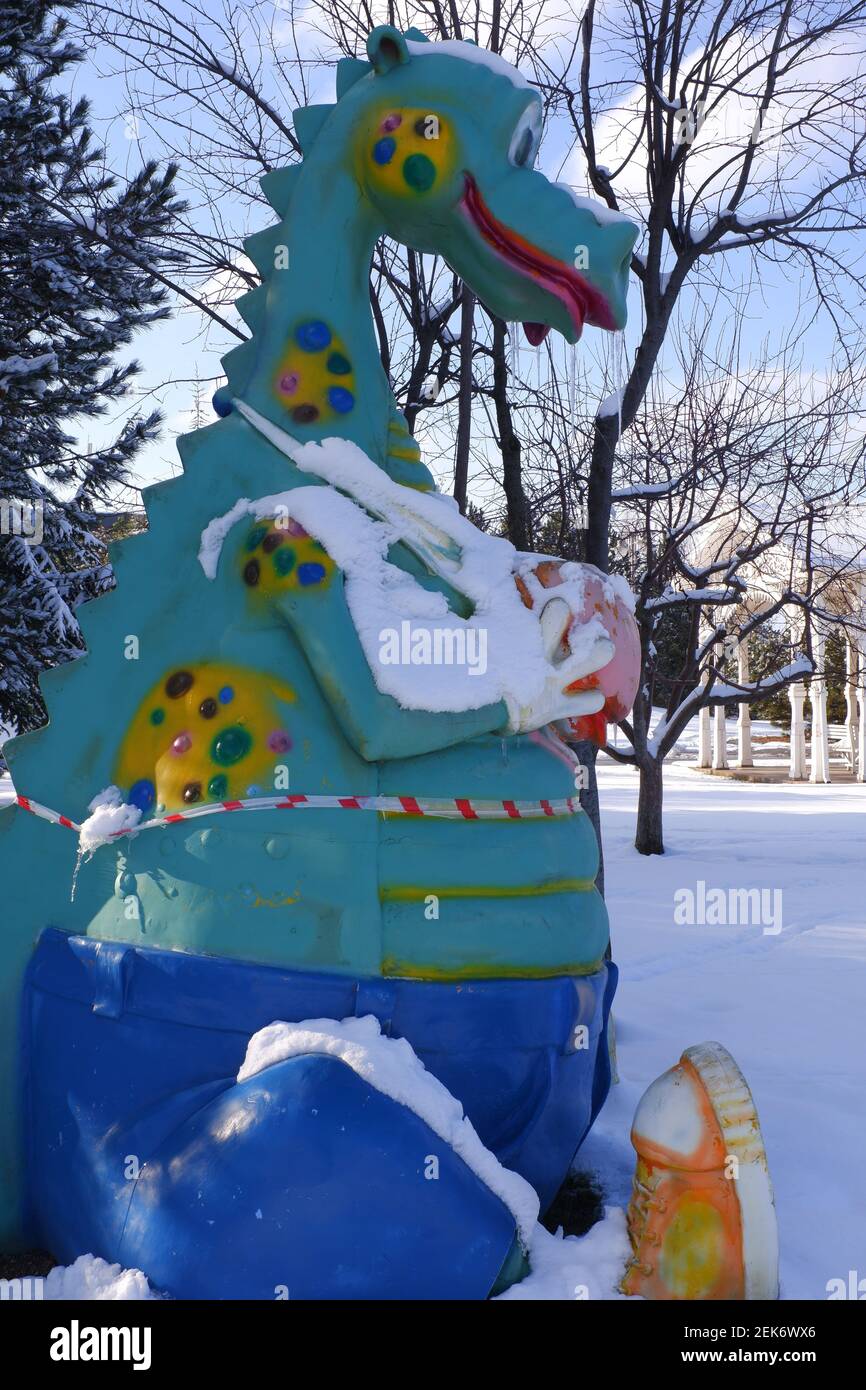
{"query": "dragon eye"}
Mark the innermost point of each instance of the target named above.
(524, 141)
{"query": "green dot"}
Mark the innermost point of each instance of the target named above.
(284, 560)
(339, 365)
(256, 536)
(218, 786)
(230, 745)
(157, 716)
(419, 172)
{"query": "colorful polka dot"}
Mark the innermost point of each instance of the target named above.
(339, 365)
(419, 172)
(305, 414)
(313, 336)
(289, 383)
(208, 708)
(181, 744)
(256, 536)
(272, 541)
(284, 561)
(383, 150)
(251, 573)
(340, 399)
(392, 122)
(279, 741)
(192, 792)
(222, 402)
(226, 695)
(157, 716)
(178, 683)
(218, 786)
(142, 794)
(230, 745)
(310, 573)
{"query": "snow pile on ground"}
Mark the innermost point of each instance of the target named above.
(789, 1006)
(109, 813)
(576, 1268)
(392, 1067)
(90, 1278)
(358, 534)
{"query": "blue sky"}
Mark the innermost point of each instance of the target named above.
(172, 354)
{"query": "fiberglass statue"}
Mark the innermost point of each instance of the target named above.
(339, 836)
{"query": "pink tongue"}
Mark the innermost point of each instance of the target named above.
(536, 332)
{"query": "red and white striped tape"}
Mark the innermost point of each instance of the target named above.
(456, 808)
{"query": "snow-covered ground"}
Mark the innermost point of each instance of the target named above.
(788, 1003)
(789, 1006)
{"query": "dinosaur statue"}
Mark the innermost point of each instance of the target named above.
(330, 721)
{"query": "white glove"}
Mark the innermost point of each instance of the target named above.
(553, 703)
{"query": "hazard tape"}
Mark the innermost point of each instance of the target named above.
(456, 808)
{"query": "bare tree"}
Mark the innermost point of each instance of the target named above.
(730, 490)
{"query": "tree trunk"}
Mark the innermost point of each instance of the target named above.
(516, 505)
(648, 837)
(587, 753)
(464, 405)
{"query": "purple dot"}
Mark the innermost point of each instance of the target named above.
(289, 383)
(279, 741)
(391, 122)
(181, 744)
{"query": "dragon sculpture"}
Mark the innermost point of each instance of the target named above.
(323, 834)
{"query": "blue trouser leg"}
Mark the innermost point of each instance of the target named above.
(303, 1180)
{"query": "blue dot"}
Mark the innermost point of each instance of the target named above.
(226, 695)
(222, 402)
(383, 150)
(142, 794)
(313, 335)
(341, 399)
(311, 573)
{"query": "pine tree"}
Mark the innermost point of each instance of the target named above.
(78, 252)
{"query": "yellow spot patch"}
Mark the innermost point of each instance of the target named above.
(278, 555)
(206, 732)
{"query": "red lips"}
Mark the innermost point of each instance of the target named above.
(584, 303)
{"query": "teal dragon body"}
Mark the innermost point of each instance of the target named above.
(232, 664)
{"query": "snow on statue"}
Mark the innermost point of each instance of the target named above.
(328, 1012)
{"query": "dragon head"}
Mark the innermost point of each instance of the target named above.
(444, 147)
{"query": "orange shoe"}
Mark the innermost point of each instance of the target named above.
(701, 1219)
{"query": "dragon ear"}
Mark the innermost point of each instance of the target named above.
(386, 48)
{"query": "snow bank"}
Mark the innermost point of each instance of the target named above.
(92, 1279)
(109, 813)
(569, 1268)
(392, 1067)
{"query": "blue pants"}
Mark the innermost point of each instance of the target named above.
(303, 1181)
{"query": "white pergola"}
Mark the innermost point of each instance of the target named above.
(843, 602)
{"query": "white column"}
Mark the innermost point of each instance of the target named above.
(851, 699)
(797, 697)
(820, 769)
(720, 742)
(705, 751)
(744, 717)
(861, 690)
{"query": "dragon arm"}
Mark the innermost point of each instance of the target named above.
(375, 724)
